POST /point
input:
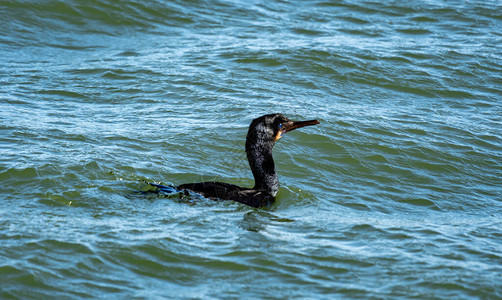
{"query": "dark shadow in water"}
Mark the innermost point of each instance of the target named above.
(257, 220)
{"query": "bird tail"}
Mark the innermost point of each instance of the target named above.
(168, 189)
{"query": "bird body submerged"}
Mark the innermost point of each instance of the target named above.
(262, 135)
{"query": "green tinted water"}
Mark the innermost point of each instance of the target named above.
(396, 194)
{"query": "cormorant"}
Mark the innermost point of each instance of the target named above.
(263, 133)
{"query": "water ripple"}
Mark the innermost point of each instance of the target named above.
(396, 194)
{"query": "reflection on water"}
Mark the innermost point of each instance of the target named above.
(396, 194)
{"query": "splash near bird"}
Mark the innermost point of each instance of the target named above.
(262, 135)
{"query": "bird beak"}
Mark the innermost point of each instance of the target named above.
(298, 124)
(292, 125)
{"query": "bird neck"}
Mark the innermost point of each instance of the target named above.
(261, 162)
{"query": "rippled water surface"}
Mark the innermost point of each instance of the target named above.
(396, 194)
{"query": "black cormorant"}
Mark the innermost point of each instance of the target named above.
(261, 137)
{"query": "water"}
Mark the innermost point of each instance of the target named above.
(396, 194)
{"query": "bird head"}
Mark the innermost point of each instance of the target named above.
(270, 128)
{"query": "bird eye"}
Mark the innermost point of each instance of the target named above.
(280, 125)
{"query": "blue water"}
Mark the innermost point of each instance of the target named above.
(395, 194)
